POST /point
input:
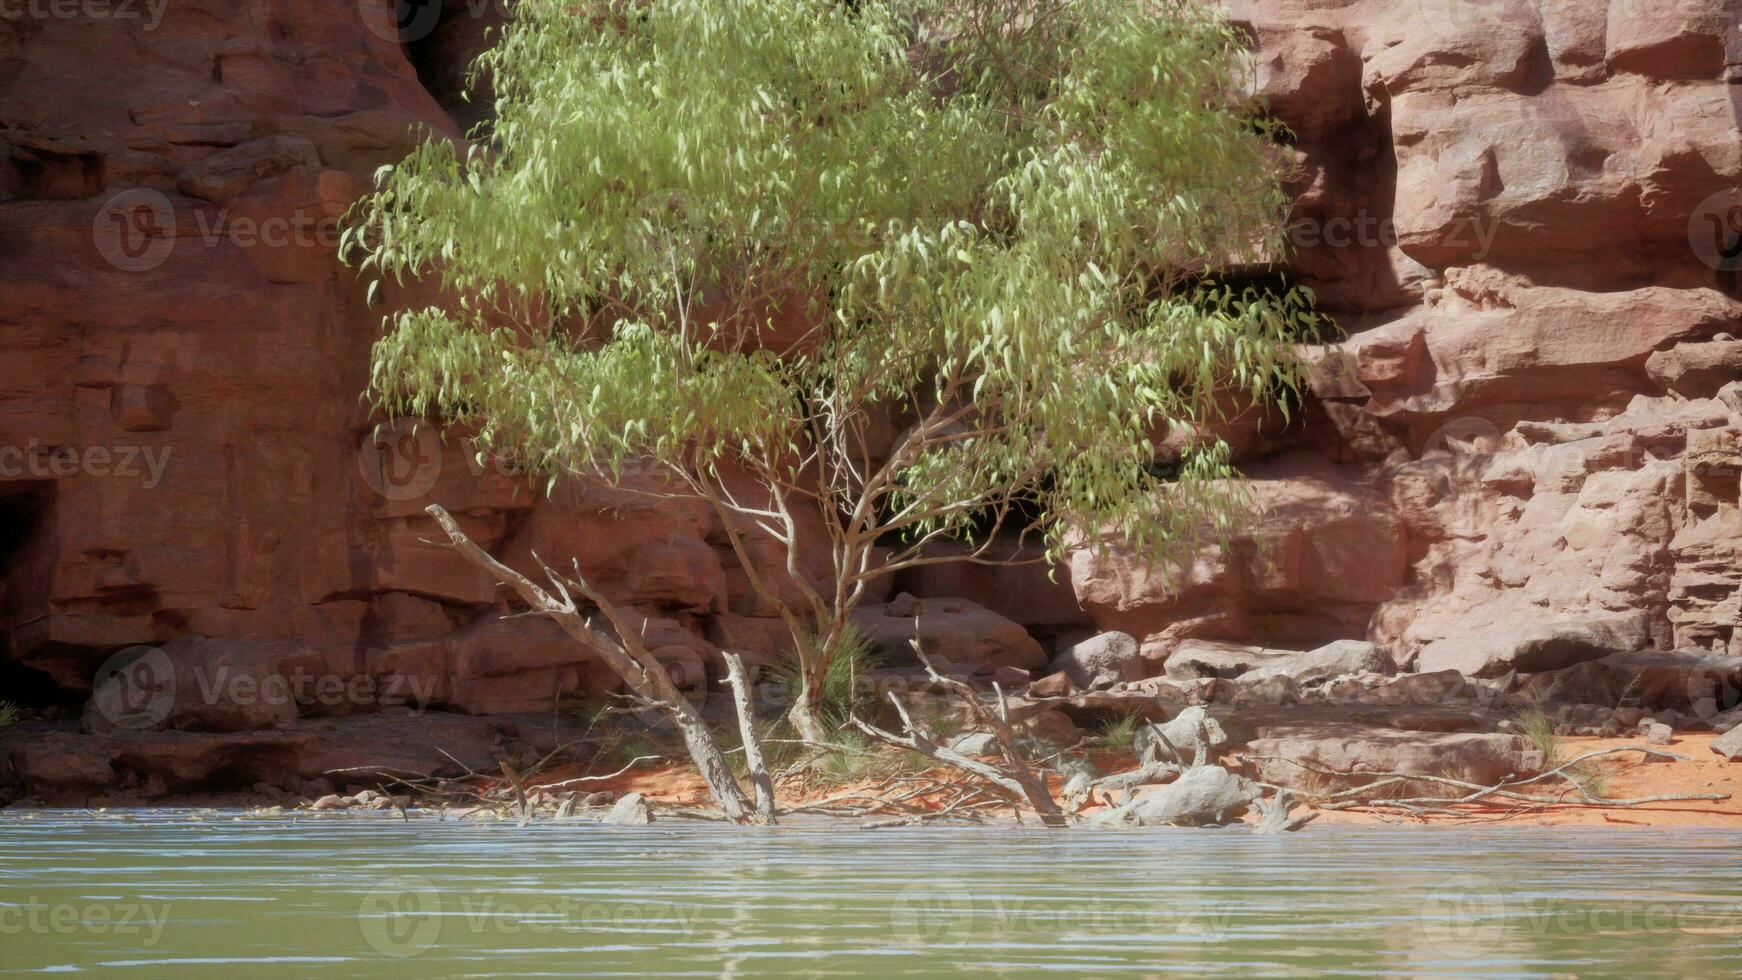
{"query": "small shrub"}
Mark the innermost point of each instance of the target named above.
(1118, 733)
(842, 695)
(9, 714)
(1535, 724)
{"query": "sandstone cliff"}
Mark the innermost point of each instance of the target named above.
(1524, 215)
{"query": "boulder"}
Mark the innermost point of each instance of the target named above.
(1698, 682)
(632, 810)
(1207, 796)
(1193, 659)
(958, 635)
(975, 743)
(1528, 647)
(1101, 661)
(1341, 658)
(1697, 370)
(1287, 755)
(1729, 744)
(1177, 741)
(1052, 686)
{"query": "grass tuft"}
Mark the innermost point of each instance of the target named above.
(842, 693)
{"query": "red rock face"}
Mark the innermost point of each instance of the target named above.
(1524, 215)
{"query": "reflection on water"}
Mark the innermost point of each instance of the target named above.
(160, 895)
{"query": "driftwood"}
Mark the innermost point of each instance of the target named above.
(1018, 779)
(1507, 789)
(624, 653)
(753, 761)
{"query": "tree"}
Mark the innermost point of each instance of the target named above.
(726, 242)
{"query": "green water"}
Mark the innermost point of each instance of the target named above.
(162, 896)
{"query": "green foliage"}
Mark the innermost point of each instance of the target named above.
(1535, 725)
(842, 693)
(853, 757)
(1118, 733)
(995, 214)
(9, 714)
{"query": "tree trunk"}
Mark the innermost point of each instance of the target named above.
(804, 712)
(625, 655)
(753, 761)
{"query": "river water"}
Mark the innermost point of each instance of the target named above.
(174, 894)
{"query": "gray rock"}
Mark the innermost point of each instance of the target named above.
(1727, 721)
(1276, 816)
(904, 605)
(1696, 370)
(1101, 661)
(630, 811)
(1531, 647)
(1729, 744)
(1658, 734)
(1193, 659)
(975, 743)
(1178, 740)
(1338, 659)
(1731, 396)
(331, 801)
(1289, 754)
(1208, 796)
(1052, 727)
